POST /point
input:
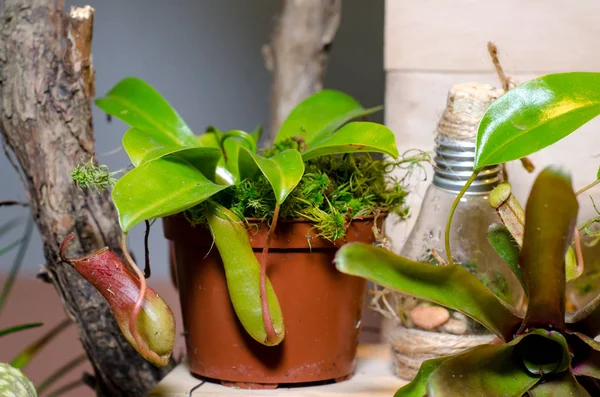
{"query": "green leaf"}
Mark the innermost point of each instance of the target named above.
(212, 138)
(141, 106)
(550, 217)
(321, 114)
(242, 272)
(9, 225)
(535, 115)
(572, 269)
(23, 358)
(562, 385)
(486, 370)
(283, 171)
(418, 386)
(359, 136)
(17, 328)
(231, 157)
(257, 133)
(506, 247)
(17, 263)
(159, 188)
(142, 147)
(451, 286)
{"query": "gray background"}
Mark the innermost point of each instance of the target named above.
(205, 57)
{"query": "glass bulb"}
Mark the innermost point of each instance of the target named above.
(468, 234)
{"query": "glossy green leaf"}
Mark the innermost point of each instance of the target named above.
(359, 136)
(142, 147)
(18, 328)
(535, 115)
(321, 114)
(141, 106)
(451, 286)
(231, 156)
(283, 171)
(212, 138)
(242, 271)
(485, 370)
(506, 247)
(418, 386)
(562, 385)
(159, 188)
(550, 217)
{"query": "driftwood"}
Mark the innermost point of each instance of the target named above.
(46, 86)
(297, 55)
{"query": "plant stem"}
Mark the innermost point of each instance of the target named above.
(18, 328)
(266, 313)
(142, 345)
(147, 271)
(56, 375)
(68, 387)
(588, 187)
(18, 261)
(451, 215)
(23, 358)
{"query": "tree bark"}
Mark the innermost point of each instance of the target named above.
(297, 55)
(46, 87)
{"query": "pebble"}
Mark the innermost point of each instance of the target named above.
(454, 326)
(429, 317)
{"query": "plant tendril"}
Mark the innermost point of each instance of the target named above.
(142, 345)
(266, 312)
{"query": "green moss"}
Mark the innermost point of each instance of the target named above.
(333, 191)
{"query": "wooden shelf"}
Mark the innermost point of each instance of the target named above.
(373, 378)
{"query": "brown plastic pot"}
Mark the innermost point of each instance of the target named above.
(321, 307)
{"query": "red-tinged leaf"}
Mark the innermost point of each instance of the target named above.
(550, 215)
(587, 355)
(562, 385)
(451, 286)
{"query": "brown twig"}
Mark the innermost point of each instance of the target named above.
(8, 203)
(438, 258)
(506, 82)
(493, 51)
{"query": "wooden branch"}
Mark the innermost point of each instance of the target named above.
(46, 86)
(297, 55)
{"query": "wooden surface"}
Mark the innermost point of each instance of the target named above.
(536, 36)
(373, 378)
